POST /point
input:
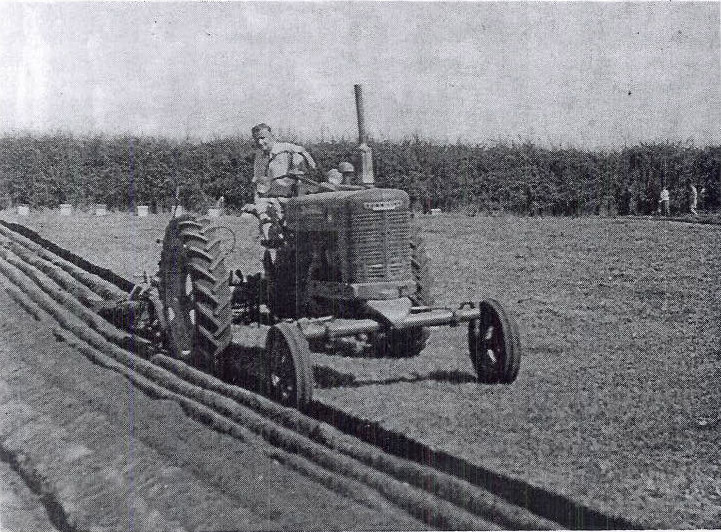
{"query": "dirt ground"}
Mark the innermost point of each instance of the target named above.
(111, 458)
(20, 508)
(616, 404)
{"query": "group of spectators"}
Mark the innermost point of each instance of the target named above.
(680, 201)
(693, 200)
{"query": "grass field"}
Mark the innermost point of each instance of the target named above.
(617, 401)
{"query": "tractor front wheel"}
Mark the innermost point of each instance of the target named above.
(288, 375)
(494, 344)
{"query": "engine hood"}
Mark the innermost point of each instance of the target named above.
(372, 199)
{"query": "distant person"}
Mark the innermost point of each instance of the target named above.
(702, 198)
(273, 160)
(626, 198)
(663, 203)
(633, 202)
(693, 199)
(348, 172)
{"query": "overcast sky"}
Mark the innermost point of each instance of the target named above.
(584, 74)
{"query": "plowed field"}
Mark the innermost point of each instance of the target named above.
(616, 405)
(103, 455)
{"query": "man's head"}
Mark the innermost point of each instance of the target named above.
(263, 137)
(334, 176)
(348, 172)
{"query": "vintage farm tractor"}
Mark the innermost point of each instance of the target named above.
(350, 273)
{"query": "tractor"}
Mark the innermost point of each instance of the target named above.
(349, 271)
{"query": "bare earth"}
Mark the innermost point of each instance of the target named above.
(122, 461)
(20, 508)
(616, 405)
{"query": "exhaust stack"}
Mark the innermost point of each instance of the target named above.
(363, 151)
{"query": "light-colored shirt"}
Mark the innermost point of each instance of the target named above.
(283, 156)
(664, 195)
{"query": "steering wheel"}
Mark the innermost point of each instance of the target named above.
(297, 177)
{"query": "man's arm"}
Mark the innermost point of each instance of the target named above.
(309, 159)
(300, 154)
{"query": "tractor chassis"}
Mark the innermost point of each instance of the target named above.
(329, 328)
(493, 338)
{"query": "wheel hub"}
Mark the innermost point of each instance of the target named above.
(189, 302)
(494, 344)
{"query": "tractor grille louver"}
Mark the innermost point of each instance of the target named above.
(379, 247)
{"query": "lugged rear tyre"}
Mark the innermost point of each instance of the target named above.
(195, 293)
(421, 269)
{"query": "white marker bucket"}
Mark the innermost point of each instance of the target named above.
(101, 209)
(143, 210)
(435, 212)
(66, 209)
(24, 210)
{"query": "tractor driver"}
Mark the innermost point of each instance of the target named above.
(273, 160)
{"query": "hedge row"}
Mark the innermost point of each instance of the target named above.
(126, 171)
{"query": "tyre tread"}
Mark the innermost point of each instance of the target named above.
(189, 246)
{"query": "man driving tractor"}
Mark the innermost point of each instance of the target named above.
(273, 161)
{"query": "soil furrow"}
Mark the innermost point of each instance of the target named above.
(560, 509)
(618, 317)
(436, 512)
(39, 486)
(236, 486)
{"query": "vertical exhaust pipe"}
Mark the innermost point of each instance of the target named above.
(361, 114)
(363, 151)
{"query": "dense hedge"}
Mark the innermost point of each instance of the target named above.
(519, 177)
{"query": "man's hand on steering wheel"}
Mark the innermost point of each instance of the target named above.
(298, 176)
(251, 208)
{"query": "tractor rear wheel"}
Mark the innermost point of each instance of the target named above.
(195, 293)
(288, 375)
(494, 344)
(421, 269)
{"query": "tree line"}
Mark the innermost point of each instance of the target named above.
(524, 178)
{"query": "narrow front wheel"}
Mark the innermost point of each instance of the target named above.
(494, 344)
(288, 373)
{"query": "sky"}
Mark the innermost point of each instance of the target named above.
(556, 73)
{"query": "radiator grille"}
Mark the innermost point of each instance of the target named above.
(379, 247)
